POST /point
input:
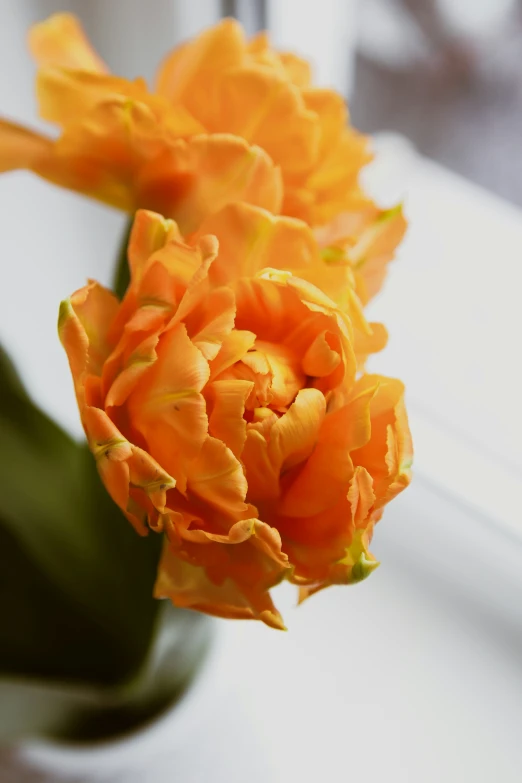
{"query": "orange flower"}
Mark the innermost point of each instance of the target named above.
(126, 147)
(248, 235)
(221, 402)
(186, 148)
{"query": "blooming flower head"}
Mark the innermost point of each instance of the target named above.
(230, 119)
(222, 402)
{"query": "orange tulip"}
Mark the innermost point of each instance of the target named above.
(248, 235)
(223, 110)
(221, 401)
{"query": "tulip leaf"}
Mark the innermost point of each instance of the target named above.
(76, 580)
(122, 272)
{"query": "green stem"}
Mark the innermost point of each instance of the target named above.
(122, 273)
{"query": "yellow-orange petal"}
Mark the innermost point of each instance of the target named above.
(332, 115)
(150, 232)
(360, 495)
(125, 469)
(256, 103)
(61, 41)
(64, 95)
(131, 369)
(212, 322)
(217, 477)
(261, 472)
(387, 456)
(147, 475)
(21, 148)
(298, 70)
(375, 248)
(293, 436)
(188, 73)
(204, 173)
(227, 399)
(189, 586)
(83, 326)
(234, 346)
(268, 540)
(102, 153)
(251, 238)
(315, 543)
(339, 169)
(323, 356)
(263, 538)
(238, 533)
(325, 477)
(167, 406)
(96, 307)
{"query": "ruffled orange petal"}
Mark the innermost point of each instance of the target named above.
(216, 477)
(298, 70)
(365, 239)
(234, 346)
(388, 454)
(361, 495)
(21, 148)
(256, 103)
(188, 74)
(261, 472)
(131, 367)
(315, 543)
(293, 436)
(127, 471)
(100, 155)
(332, 116)
(83, 326)
(325, 477)
(150, 233)
(323, 355)
(64, 95)
(189, 586)
(227, 399)
(356, 564)
(375, 249)
(60, 41)
(251, 238)
(197, 177)
(111, 152)
(213, 321)
(263, 538)
(167, 407)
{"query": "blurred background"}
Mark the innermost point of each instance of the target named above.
(416, 675)
(448, 75)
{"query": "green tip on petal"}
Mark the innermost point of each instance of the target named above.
(65, 312)
(389, 214)
(333, 255)
(406, 465)
(363, 568)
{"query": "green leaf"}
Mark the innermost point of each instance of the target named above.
(122, 271)
(70, 562)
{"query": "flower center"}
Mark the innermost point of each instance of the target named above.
(277, 376)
